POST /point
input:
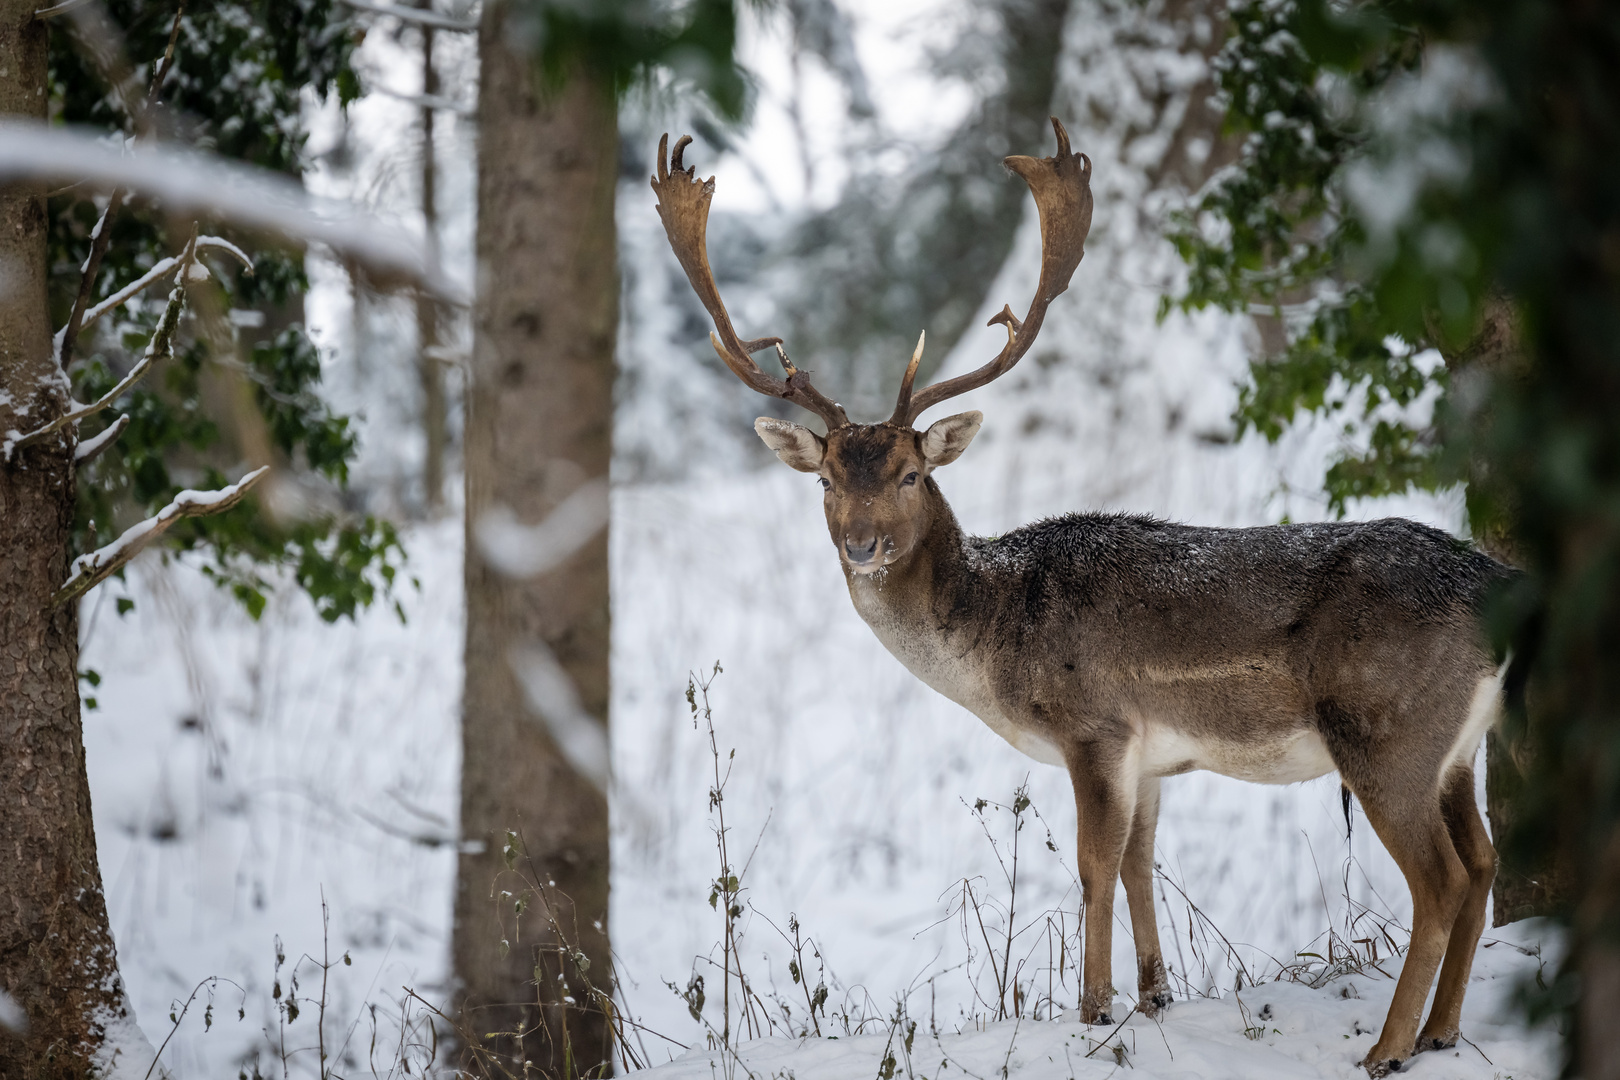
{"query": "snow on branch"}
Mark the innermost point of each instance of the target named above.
(92, 569)
(415, 15)
(162, 269)
(91, 449)
(196, 184)
(428, 101)
(161, 347)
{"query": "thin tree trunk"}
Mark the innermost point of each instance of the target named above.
(430, 370)
(56, 951)
(539, 425)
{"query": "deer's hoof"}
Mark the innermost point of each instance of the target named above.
(1096, 1007)
(1435, 1042)
(1154, 1001)
(1376, 1069)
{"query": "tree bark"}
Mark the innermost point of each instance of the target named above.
(1526, 886)
(539, 424)
(57, 960)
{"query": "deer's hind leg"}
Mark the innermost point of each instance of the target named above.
(1416, 834)
(1152, 984)
(1473, 846)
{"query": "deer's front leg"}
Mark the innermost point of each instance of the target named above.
(1104, 800)
(1152, 984)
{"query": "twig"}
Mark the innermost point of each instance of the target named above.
(100, 237)
(1475, 1045)
(1111, 1034)
(102, 234)
(92, 569)
(59, 9)
(210, 982)
(161, 347)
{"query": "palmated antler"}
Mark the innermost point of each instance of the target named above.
(1062, 188)
(683, 203)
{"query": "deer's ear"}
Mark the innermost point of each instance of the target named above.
(945, 440)
(797, 446)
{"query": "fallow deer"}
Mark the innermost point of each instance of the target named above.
(1127, 649)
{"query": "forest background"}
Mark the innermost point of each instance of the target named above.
(247, 770)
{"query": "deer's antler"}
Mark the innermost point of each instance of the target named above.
(683, 203)
(1062, 188)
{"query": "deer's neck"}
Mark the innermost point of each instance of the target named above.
(922, 609)
(918, 608)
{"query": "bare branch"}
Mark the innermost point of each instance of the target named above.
(92, 569)
(90, 449)
(99, 238)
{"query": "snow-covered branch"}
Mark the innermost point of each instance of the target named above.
(92, 569)
(203, 185)
(91, 449)
(162, 269)
(428, 101)
(418, 16)
(161, 347)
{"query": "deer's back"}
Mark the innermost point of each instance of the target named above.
(1209, 632)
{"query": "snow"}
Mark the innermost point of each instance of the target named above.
(1273, 1031)
(12, 1018)
(125, 1050)
(240, 771)
(415, 15)
(523, 551)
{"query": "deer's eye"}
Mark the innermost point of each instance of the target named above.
(826, 484)
(911, 478)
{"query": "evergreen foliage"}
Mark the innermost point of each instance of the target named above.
(1405, 167)
(625, 41)
(235, 86)
(1279, 232)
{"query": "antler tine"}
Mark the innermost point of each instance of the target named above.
(683, 204)
(902, 405)
(1061, 185)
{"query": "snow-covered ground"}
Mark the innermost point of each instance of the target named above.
(1274, 1031)
(243, 772)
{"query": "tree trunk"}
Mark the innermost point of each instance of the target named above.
(57, 961)
(539, 424)
(429, 367)
(1531, 879)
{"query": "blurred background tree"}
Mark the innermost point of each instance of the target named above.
(531, 905)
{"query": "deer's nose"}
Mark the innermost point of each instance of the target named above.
(862, 550)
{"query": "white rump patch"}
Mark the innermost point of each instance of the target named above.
(1483, 712)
